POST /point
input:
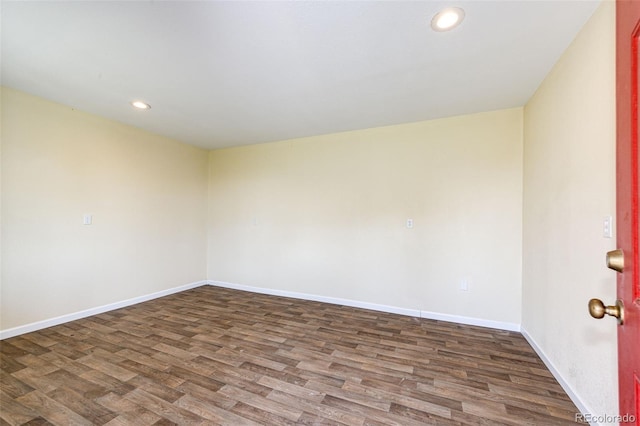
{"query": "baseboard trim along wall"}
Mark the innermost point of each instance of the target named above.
(582, 407)
(509, 326)
(39, 325)
(373, 306)
(316, 298)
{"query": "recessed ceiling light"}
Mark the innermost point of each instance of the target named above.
(447, 19)
(140, 105)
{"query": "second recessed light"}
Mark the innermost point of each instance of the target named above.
(447, 19)
(140, 105)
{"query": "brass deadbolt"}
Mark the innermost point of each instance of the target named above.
(615, 260)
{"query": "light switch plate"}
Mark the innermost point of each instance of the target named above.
(607, 227)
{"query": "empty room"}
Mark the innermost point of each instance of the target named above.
(319, 212)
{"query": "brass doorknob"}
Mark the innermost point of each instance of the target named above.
(615, 260)
(597, 309)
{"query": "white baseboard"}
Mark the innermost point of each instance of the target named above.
(317, 298)
(509, 326)
(582, 407)
(373, 306)
(39, 325)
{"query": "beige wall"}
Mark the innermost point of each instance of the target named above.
(326, 215)
(569, 186)
(147, 195)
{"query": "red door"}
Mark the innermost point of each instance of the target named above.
(627, 216)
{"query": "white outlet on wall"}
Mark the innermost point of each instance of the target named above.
(464, 284)
(409, 223)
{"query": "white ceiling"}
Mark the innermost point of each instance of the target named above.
(230, 73)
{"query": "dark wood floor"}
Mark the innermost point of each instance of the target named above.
(218, 356)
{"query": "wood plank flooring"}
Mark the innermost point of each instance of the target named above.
(218, 356)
